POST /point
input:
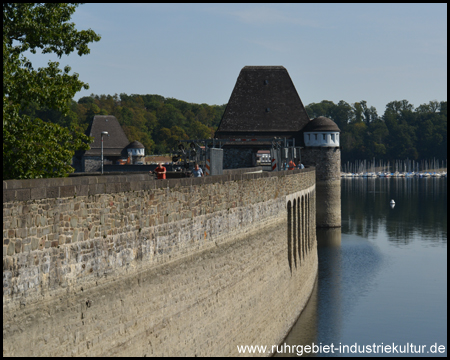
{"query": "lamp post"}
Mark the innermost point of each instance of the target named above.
(103, 133)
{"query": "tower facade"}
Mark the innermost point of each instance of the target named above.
(321, 137)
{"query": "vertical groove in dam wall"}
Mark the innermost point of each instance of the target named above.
(194, 267)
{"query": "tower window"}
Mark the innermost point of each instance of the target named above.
(315, 136)
(324, 136)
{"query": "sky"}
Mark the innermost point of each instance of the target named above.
(194, 52)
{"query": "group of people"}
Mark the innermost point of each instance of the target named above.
(291, 165)
(161, 171)
(198, 172)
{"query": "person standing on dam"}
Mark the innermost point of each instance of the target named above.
(197, 172)
(291, 165)
(160, 171)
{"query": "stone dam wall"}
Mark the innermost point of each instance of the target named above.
(130, 266)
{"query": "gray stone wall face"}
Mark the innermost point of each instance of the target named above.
(327, 162)
(126, 265)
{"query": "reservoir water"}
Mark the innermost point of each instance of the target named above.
(382, 276)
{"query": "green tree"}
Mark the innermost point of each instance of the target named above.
(31, 147)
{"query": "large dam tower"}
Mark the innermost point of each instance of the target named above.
(264, 104)
(321, 136)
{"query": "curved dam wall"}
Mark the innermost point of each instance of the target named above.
(131, 266)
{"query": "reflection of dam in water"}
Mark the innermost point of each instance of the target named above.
(345, 273)
(385, 278)
(310, 326)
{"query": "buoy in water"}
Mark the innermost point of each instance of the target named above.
(392, 201)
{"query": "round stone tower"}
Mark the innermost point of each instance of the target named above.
(321, 136)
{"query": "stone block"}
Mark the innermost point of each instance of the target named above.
(53, 192)
(21, 233)
(18, 246)
(22, 194)
(34, 243)
(14, 184)
(198, 181)
(11, 248)
(172, 183)
(67, 191)
(82, 190)
(136, 186)
(136, 177)
(95, 189)
(74, 221)
(38, 193)
(161, 184)
(185, 182)
(111, 188)
(124, 187)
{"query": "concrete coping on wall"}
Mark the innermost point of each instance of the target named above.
(35, 189)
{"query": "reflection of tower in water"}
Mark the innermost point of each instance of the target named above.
(322, 316)
(330, 283)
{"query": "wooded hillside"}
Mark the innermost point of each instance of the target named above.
(159, 123)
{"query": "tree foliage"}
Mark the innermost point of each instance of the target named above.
(159, 123)
(29, 94)
(401, 132)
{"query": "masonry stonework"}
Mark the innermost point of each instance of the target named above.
(327, 162)
(127, 265)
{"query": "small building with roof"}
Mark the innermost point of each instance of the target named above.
(116, 146)
(264, 104)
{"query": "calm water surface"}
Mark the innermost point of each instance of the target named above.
(383, 276)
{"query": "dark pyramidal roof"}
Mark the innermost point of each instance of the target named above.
(264, 101)
(112, 144)
(321, 123)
